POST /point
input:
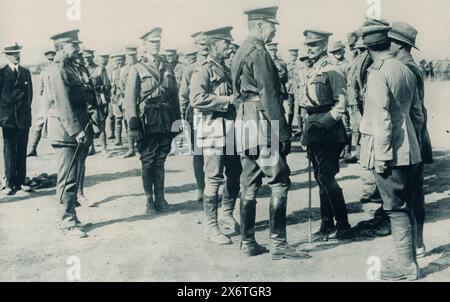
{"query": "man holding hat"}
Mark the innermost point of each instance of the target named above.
(212, 99)
(152, 111)
(131, 59)
(43, 92)
(257, 85)
(390, 129)
(403, 39)
(325, 134)
(69, 126)
(15, 118)
(187, 112)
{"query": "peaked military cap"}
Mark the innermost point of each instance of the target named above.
(198, 37)
(67, 37)
(153, 35)
(223, 33)
(11, 48)
(170, 52)
(50, 53)
(303, 58)
(337, 46)
(403, 32)
(375, 34)
(268, 14)
(130, 50)
(372, 21)
(313, 36)
(87, 53)
(104, 55)
(293, 50)
(190, 52)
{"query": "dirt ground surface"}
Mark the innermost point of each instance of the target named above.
(124, 244)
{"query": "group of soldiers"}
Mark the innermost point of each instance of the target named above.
(436, 70)
(372, 105)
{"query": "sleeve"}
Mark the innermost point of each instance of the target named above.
(417, 115)
(30, 89)
(184, 91)
(132, 92)
(338, 85)
(63, 105)
(378, 94)
(268, 84)
(41, 83)
(202, 97)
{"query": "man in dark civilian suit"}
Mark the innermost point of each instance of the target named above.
(16, 94)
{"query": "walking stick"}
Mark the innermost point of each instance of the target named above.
(70, 168)
(309, 197)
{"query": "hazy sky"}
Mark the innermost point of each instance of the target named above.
(107, 25)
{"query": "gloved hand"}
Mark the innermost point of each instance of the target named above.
(285, 148)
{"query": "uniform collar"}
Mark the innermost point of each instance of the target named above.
(211, 59)
(406, 57)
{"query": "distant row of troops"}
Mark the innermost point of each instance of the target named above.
(223, 89)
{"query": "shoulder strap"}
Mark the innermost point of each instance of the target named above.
(154, 75)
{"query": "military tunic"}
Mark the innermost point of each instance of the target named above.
(325, 135)
(211, 93)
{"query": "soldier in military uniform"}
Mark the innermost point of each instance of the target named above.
(131, 59)
(102, 86)
(325, 134)
(403, 39)
(303, 65)
(187, 112)
(390, 129)
(152, 108)
(212, 99)
(178, 68)
(117, 98)
(257, 85)
(338, 52)
(292, 85)
(284, 77)
(42, 118)
(69, 123)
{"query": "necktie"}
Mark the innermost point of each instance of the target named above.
(16, 73)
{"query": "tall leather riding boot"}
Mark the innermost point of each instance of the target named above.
(118, 132)
(212, 231)
(160, 202)
(147, 180)
(249, 246)
(112, 123)
(406, 265)
(80, 196)
(131, 150)
(37, 138)
(278, 221)
(199, 174)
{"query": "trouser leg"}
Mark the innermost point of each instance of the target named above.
(37, 136)
(418, 203)
(83, 154)
(118, 131)
(21, 156)
(9, 155)
(69, 196)
(112, 123)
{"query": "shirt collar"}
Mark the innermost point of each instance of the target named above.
(13, 66)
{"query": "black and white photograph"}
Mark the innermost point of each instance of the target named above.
(224, 141)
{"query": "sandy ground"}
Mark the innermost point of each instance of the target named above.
(126, 245)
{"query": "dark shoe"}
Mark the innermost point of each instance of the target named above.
(375, 197)
(349, 159)
(397, 272)
(288, 252)
(150, 209)
(341, 233)
(32, 153)
(326, 228)
(129, 154)
(161, 206)
(10, 192)
(253, 249)
(118, 143)
(25, 188)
